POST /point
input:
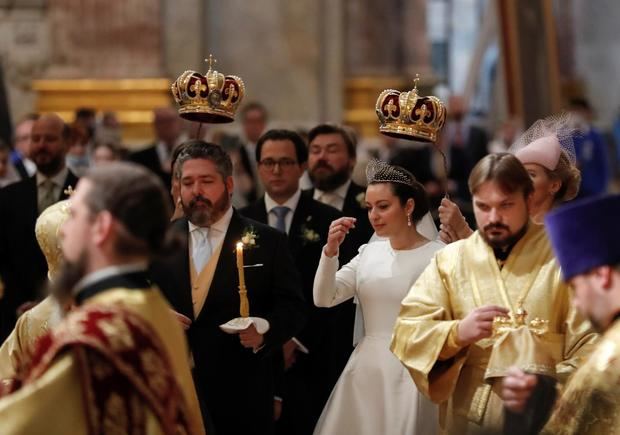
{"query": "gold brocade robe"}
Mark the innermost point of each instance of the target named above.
(590, 402)
(29, 327)
(462, 277)
(54, 403)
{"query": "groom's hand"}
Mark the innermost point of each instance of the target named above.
(250, 338)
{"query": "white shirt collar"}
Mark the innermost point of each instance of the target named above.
(221, 226)
(340, 192)
(106, 272)
(291, 203)
(58, 179)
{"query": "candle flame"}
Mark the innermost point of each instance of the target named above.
(239, 245)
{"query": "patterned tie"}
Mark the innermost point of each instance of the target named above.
(47, 195)
(201, 251)
(281, 212)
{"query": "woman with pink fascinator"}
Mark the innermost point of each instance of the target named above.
(547, 152)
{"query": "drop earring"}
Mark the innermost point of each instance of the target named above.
(408, 220)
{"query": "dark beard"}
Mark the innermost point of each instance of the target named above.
(50, 168)
(206, 216)
(506, 242)
(70, 274)
(329, 182)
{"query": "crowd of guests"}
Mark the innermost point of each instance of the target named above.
(314, 278)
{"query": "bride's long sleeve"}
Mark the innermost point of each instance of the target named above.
(333, 286)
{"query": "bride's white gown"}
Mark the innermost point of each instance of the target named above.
(375, 394)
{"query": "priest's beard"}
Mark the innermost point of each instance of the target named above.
(70, 274)
(330, 179)
(203, 212)
(504, 242)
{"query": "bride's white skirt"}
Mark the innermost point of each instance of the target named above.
(375, 395)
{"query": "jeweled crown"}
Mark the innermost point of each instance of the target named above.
(212, 98)
(411, 116)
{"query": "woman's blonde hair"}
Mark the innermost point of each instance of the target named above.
(570, 177)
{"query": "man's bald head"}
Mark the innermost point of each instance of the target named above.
(50, 142)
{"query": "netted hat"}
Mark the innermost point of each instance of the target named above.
(546, 140)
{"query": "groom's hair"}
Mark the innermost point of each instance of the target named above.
(199, 149)
(505, 170)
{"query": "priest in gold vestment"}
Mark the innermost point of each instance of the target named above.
(38, 320)
(118, 362)
(487, 302)
(586, 238)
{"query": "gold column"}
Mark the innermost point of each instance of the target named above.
(529, 56)
(133, 100)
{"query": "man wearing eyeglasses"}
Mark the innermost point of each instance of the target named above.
(282, 156)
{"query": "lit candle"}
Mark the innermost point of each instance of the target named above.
(244, 304)
(240, 264)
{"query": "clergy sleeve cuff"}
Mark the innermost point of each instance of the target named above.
(451, 346)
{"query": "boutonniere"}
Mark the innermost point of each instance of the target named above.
(308, 235)
(361, 199)
(248, 238)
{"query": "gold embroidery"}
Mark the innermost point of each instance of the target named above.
(115, 419)
(479, 403)
(154, 369)
(102, 370)
(117, 332)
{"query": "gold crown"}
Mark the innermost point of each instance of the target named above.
(212, 98)
(408, 115)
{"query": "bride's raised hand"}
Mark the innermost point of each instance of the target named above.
(338, 230)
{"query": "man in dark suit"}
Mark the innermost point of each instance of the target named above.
(282, 156)
(331, 160)
(169, 134)
(22, 265)
(233, 372)
(20, 157)
(254, 119)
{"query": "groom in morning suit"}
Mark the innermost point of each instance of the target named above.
(22, 265)
(282, 156)
(233, 373)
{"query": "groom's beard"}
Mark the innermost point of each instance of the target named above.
(70, 274)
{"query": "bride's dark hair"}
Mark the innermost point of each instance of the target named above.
(404, 185)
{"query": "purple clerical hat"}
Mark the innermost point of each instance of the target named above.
(585, 234)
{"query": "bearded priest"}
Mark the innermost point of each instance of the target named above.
(118, 362)
(486, 303)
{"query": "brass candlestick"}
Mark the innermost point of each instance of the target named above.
(244, 303)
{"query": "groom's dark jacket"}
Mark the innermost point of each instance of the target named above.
(234, 383)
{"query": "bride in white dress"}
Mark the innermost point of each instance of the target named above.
(375, 394)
